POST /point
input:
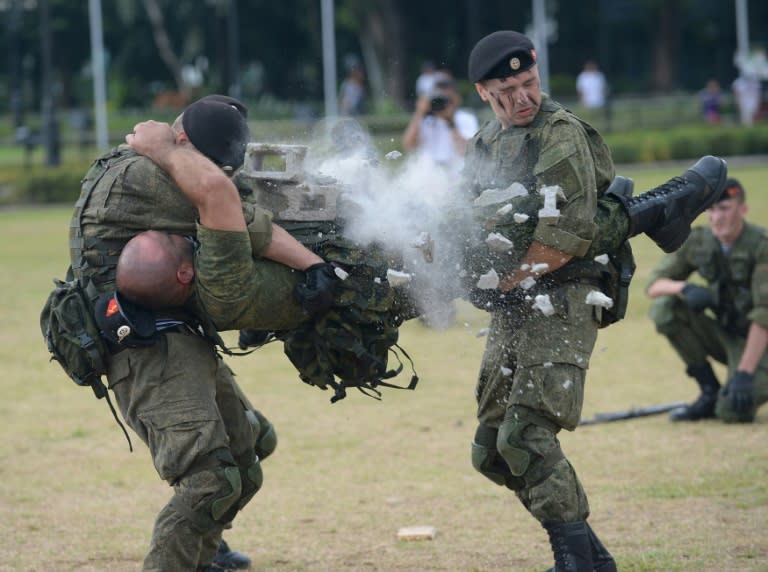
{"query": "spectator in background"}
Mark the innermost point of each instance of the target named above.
(711, 100)
(746, 89)
(352, 91)
(438, 128)
(592, 86)
(438, 133)
(425, 83)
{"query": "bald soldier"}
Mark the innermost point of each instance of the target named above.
(223, 278)
(174, 391)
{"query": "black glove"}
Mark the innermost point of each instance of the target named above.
(252, 338)
(698, 298)
(491, 299)
(739, 392)
(316, 293)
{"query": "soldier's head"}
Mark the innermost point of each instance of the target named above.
(727, 215)
(502, 65)
(156, 269)
(217, 127)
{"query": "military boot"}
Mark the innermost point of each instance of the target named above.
(228, 559)
(601, 558)
(704, 406)
(570, 546)
(665, 213)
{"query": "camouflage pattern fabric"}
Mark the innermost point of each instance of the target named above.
(535, 361)
(122, 195)
(351, 344)
(739, 283)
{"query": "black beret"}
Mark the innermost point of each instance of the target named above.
(500, 54)
(216, 125)
(122, 322)
(732, 190)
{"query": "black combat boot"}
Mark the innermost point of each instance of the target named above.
(228, 559)
(665, 213)
(571, 546)
(601, 558)
(704, 406)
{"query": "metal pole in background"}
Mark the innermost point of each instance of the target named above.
(14, 59)
(742, 29)
(233, 47)
(329, 58)
(540, 41)
(99, 82)
(50, 128)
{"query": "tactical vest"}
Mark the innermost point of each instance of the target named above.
(497, 158)
(122, 194)
(730, 276)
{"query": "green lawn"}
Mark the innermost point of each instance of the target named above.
(347, 476)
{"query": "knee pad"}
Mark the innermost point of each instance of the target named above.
(210, 494)
(514, 446)
(251, 477)
(264, 434)
(486, 460)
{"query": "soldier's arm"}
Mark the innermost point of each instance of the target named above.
(665, 287)
(565, 161)
(202, 182)
(211, 191)
(531, 265)
(757, 342)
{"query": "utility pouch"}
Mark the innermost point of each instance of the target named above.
(72, 335)
(617, 278)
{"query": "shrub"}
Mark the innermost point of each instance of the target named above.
(41, 185)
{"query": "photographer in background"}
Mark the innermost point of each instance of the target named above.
(438, 128)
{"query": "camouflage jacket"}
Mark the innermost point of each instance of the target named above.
(557, 148)
(738, 279)
(124, 194)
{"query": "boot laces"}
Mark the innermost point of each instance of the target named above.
(670, 186)
(563, 559)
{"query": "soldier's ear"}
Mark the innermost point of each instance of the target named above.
(481, 91)
(181, 137)
(185, 273)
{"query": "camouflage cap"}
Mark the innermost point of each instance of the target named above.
(500, 54)
(216, 125)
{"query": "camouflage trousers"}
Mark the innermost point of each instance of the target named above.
(182, 401)
(531, 385)
(696, 337)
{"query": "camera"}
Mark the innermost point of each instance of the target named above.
(439, 102)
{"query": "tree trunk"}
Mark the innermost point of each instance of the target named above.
(381, 42)
(163, 42)
(665, 46)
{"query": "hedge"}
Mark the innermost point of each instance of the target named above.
(62, 184)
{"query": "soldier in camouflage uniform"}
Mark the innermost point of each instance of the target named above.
(347, 345)
(731, 255)
(221, 278)
(531, 382)
(205, 438)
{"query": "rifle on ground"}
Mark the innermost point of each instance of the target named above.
(632, 413)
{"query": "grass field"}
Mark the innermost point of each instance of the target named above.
(347, 476)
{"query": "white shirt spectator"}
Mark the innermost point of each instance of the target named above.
(436, 139)
(591, 86)
(747, 92)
